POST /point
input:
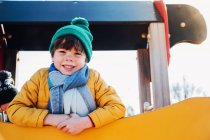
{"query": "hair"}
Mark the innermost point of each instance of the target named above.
(67, 42)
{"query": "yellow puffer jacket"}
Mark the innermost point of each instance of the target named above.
(29, 107)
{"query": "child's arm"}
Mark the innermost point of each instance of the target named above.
(28, 108)
(55, 119)
(75, 124)
(110, 106)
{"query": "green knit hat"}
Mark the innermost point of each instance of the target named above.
(79, 28)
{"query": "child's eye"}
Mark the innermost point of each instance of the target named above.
(78, 53)
(61, 51)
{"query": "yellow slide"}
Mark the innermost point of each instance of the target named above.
(187, 120)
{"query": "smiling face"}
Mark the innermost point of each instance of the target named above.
(68, 55)
(68, 61)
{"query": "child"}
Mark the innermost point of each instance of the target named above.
(68, 95)
(7, 93)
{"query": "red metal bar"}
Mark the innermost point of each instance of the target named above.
(159, 4)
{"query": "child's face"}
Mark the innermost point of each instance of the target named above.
(68, 61)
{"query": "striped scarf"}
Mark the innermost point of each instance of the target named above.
(59, 84)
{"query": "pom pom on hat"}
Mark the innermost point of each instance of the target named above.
(79, 28)
(7, 89)
(80, 20)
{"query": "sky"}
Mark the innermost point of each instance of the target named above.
(187, 60)
(192, 60)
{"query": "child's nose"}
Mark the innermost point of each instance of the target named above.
(69, 57)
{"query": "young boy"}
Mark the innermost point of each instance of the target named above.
(68, 95)
(7, 93)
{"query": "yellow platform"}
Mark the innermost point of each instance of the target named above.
(187, 120)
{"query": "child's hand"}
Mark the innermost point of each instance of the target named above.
(55, 119)
(75, 124)
(74, 115)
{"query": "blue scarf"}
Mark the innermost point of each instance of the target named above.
(59, 84)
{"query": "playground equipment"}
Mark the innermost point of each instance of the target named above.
(151, 28)
(187, 120)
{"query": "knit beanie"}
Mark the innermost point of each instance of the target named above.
(79, 28)
(7, 89)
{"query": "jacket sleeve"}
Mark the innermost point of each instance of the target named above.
(110, 106)
(23, 109)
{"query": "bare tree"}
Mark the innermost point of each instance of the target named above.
(185, 90)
